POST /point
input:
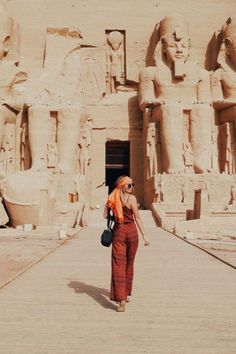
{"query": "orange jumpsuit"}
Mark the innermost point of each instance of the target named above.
(124, 247)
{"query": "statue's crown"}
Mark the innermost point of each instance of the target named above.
(174, 24)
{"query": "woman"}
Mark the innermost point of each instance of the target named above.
(125, 239)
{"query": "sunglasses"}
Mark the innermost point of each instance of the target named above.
(130, 185)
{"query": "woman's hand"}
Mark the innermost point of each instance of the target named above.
(146, 242)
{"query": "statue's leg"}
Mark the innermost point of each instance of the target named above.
(6, 115)
(171, 119)
(68, 133)
(39, 131)
(201, 120)
(227, 115)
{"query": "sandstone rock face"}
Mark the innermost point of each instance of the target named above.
(88, 94)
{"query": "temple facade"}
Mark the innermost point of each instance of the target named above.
(94, 90)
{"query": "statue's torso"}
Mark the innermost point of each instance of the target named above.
(228, 82)
(8, 71)
(176, 90)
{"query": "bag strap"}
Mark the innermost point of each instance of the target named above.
(109, 218)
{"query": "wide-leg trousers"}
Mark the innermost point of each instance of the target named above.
(124, 247)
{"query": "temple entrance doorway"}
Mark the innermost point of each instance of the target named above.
(117, 161)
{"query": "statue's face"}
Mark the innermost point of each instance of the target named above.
(176, 50)
(115, 45)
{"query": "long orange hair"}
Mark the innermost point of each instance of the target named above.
(114, 199)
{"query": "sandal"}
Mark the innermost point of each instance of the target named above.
(121, 306)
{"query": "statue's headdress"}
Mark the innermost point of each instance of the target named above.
(114, 37)
(174, 26)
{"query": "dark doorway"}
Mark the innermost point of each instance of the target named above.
(117, 161)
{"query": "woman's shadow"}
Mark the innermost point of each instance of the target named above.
(98, 294)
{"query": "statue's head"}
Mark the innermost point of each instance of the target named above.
(229, 38)
(174, 35)
(115, 39)
(6, 28)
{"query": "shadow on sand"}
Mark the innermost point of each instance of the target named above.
(98, 294)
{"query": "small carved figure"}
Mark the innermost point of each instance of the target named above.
(233, 195)
(115, 61)
(85, 147)
(158, 193)
(152, 141)
(51, 155)
(214, 152)
(188, 156)
(185, 193)
(228, 153)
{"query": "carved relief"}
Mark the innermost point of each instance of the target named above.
(115, 61)
(59, 92)
(92, 74)
(85, 145)
(188, 157)
(152, 146)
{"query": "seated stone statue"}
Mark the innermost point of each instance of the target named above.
(12, 76)
(176, 86)
(59, 92)
(224, 78)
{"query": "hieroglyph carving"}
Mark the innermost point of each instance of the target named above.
(176, 86)
(85, 144)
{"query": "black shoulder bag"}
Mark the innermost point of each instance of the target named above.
(106, 238)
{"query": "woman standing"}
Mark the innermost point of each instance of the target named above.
(125, 239)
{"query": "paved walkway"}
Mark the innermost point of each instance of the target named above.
(184, 302)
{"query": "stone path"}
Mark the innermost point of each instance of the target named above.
(184, 302)
(20, 250)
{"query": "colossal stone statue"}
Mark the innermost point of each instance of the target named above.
(12, 82)
(174, 88)
(60, 93)
(223, 80)
(115, 61)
